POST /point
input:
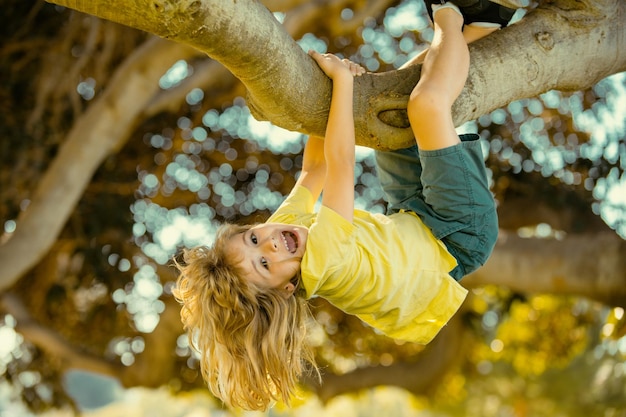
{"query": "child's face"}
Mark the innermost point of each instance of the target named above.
(270, 254)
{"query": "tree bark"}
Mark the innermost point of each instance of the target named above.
(587, 265)
(562, 44)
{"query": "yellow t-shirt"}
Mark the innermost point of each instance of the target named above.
(390, 271)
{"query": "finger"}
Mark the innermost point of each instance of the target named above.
(356, 69)
(316, 55)
(319, 58)
(359, 69)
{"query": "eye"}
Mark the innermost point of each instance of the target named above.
(253, 238)
(265, 264)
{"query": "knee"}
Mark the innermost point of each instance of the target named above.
(426, 102)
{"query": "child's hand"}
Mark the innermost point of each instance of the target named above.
(334, 67)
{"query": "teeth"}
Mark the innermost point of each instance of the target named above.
(285, 242)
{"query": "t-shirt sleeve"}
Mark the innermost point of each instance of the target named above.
(298, 202)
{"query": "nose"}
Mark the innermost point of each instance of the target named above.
(270, 243)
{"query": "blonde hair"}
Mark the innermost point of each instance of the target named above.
(251, 342)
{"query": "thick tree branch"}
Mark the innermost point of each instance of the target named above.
(587, 265)
(521, 61)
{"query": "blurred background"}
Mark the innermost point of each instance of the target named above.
(92, 327)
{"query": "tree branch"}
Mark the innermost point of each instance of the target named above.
(523, 60)
(587, 265)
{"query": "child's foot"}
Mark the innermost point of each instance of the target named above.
(482, 13)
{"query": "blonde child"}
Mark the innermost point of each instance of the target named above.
(244, 298)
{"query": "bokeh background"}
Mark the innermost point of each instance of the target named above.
(93, 328)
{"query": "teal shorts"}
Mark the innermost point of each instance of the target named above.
(448, 189)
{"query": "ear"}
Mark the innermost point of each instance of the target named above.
(288, 290)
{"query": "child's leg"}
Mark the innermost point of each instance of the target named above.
(481, 18)
(457, 205)
(443, 77)
(473, 32)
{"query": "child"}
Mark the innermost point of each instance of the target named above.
(244, 298)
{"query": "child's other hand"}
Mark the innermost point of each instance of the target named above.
(333, 66)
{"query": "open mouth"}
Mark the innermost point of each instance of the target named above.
(291, 241)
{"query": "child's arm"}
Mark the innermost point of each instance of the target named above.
(313, 166)
(339, 139)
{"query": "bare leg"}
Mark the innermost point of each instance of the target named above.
(444, 73)
(471, 33)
